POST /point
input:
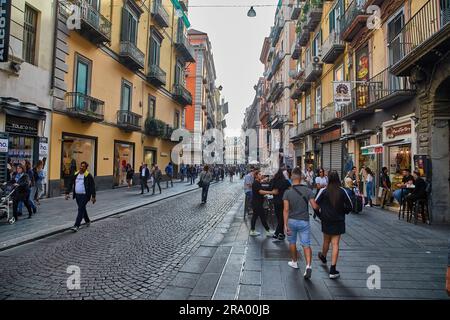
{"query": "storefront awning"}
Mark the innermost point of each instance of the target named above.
(397, 142)
(14, 107)
(372, 149)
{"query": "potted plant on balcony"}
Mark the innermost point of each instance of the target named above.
(154, 127)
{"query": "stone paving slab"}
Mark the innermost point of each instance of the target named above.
(56, 214)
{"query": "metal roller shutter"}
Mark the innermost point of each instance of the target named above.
(336, 156)
(326, 156)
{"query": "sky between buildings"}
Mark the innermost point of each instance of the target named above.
(236, 43)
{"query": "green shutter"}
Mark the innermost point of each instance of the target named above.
(125, 25)
(331, 17)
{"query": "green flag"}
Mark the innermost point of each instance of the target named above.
(177, 6)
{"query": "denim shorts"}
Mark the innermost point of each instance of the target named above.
(301, 228)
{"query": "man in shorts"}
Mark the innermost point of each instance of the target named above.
(296, 216)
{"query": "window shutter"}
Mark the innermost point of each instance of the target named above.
(331, 19)
(125, 25)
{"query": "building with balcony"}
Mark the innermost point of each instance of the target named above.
(120, 71)
(25, 76)
(206, 110)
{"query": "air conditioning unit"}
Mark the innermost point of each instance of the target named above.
(346, 128)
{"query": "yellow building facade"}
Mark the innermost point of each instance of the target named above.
(119, 88)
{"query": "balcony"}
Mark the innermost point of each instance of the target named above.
(129, 121)
(359, 106)
(184, 48)
(296, 9)
(131, 56)
(296, 92)
(423, 39)
(313, 71)
(302, 84)
(84, 107)
(309, 125)
(277, 121)
(275, 91)
(297, 50)
(94, 26)
(181, 95)
(314, 14)
(354, 19)
(264, 113)
(387, 90)
(156, 75)
(160, 14)
(277, 62)
(303, 34)
(275, 33)
(332, 48)
(331, 115)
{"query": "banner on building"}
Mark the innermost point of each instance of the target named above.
(342, 93)
(5, 23)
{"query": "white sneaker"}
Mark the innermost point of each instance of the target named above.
(367, 205)
(269, 233)
(307, 274)
(254, 233)
(293, 264)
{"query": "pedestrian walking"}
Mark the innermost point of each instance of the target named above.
(309, 177)
(334, 203)
(183, 172)
(32, 188)
(10, 170)
(232, 172)
(248, 182)
(204, 182)
(130, 175)
(169, 173)
(193, 173)
(39, 181)
(21, 182)
(296, 216)
(83, 186)
(369, 186)
(321, 180)
(279, 185)
(385, 182)
(258, 194)
(144, 175)
(157, 176)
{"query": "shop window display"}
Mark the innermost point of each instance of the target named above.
(399, 159)
(21, 149)
(124, 154)
(76, 150)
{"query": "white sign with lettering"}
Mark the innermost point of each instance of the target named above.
(43, 149)
(4, 145)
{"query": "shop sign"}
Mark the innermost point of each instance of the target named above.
(43, 147)
(395, 131)
(21, 125)
(375, 149)
(330, 136)
(342, 93)
(5, 23)
(4, 145)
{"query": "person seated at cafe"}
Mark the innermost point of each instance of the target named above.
(407, 181)
(419, 191)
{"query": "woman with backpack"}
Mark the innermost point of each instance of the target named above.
(334, 203)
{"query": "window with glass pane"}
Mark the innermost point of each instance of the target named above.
(29, 34)
(129, 26)
(308, 106)
(394, 28)
(318, 103)
(179, 72)
(155, 49)
(299, 112)
(176, 121)
(126, 96)
(151, 106)
(316, 45)
(339, 73)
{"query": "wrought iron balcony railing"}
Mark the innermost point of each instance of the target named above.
(276, 89)
(160, 14)
(184, 48)
(129, 121)
(332, 48)
(182, 95)
(94, 26)
(426, 31)
(314, 14)
(131, 56)
(84, 107)
(330, 114)
(156, 75)
(353, 20)
(296, 9)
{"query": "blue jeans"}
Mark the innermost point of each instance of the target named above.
(205, 190)
(369, 189)
(30, 200)
(302, 228)
(82, 201)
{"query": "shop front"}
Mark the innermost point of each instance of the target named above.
(332, 150)
(399, 147)
(76, 149)
(123, 155)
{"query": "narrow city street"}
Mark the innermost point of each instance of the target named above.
(179, 249)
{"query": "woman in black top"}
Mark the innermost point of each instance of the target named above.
(279, 185)
(258, 194)
(334, 204)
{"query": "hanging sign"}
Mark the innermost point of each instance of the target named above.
(374, 149)
(342, 93)
(4, 145)
(5, 23)
(43, 147)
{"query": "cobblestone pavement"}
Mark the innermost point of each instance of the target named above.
(133, 255)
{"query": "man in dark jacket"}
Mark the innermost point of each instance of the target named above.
(83, 186)
(22, 191)
(144, 175)
(157, 176)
